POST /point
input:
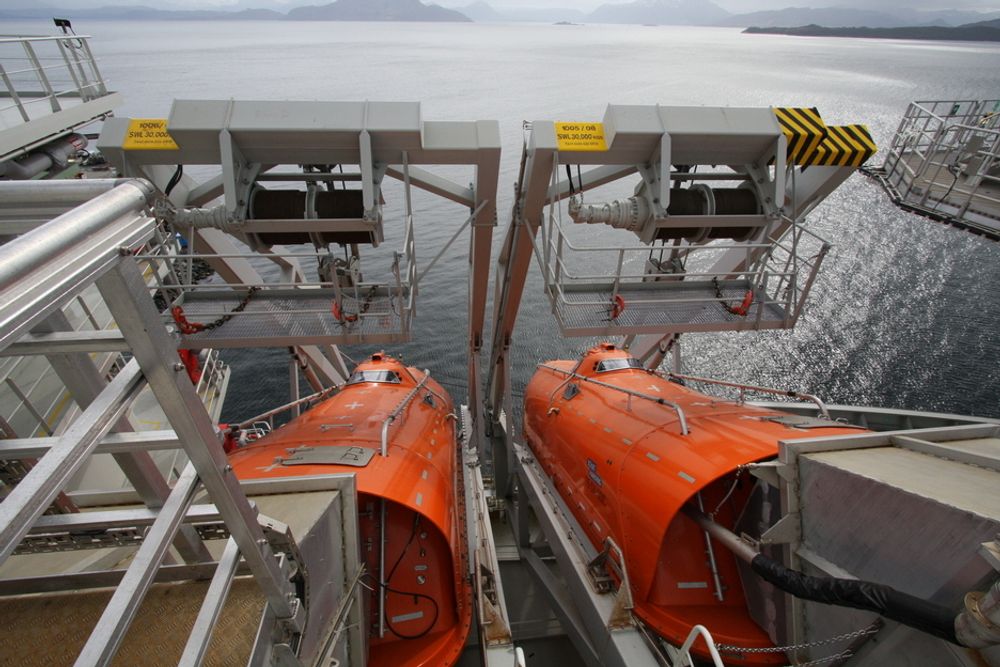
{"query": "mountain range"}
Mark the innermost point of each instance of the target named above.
(669, 12)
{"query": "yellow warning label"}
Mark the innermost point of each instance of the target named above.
(148, 134)
(580, 137)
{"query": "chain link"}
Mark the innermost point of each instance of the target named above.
(870, 630)
(743, 309)
(819, 661)
(187, 327)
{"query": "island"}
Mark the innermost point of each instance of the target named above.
(974, 32)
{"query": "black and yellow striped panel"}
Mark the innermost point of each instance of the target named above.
(844, 146)
(804, 129)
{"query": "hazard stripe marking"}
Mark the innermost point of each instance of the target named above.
(844, 146)
(804, 129)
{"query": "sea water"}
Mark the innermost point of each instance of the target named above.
(904, 314)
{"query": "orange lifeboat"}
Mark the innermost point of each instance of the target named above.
(394, 428)
(605, 432)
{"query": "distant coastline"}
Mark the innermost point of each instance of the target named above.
(899, 23)
(972, 33)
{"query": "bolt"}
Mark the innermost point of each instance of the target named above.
(228, 468)
(178, 366)
(124, 251)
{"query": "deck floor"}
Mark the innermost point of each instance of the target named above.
(51, 629)
(947, 195)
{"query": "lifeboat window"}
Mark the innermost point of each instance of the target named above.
(391, 377)
(618, 364)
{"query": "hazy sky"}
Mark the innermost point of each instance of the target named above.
(735, 6)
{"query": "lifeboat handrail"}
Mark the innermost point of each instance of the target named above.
(701, 631)
(681, 417)
(271, 414)
(766, 390)
(402, 405)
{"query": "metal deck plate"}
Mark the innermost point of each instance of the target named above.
(804, 421)
(358, 457)
(51, 629)
(279, 318)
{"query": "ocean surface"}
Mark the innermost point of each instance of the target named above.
(904, 314)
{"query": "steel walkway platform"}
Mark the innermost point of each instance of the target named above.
(654, 307)
(286, 317)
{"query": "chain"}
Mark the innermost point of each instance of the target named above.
(187, 327)
(870, 630)
(741, 309)
(843, 655)
(343, 317)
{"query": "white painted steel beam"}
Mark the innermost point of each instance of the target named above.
(84, 242)
(112, 443)
(211, 608)
(618, 647)
(66, 342)
(107, 635)
(126, 294)
(30, 498)
(437, 185)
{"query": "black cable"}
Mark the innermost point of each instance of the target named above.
(569, 175)
(925, 616)
(430, 626)
(174, 180)
(385, 584)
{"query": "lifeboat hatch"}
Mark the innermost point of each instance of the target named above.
(357, 457)
(805, 421)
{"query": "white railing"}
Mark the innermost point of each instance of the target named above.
(779, 271)
(956, 142)
(40, 74)
(700, 631)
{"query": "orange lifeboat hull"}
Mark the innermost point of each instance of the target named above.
(413, 488)
(624, 468)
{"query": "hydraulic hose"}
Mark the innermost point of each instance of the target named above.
(884, 600)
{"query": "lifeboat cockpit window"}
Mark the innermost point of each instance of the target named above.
(618, 364)
(391, 377)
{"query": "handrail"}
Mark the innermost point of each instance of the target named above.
(681, 417)
(750, 387)
(399, 408)
(16, 39)
(42, 244)
(701, 631)
(266, 416)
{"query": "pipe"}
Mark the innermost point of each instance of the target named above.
(53, 155)
(69, 192)
(45, 243)
(381, 572)
(978, 626)
(886, 601)
(711, 558)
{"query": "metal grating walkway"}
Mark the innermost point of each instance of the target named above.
(279, 318)
(655, 308)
